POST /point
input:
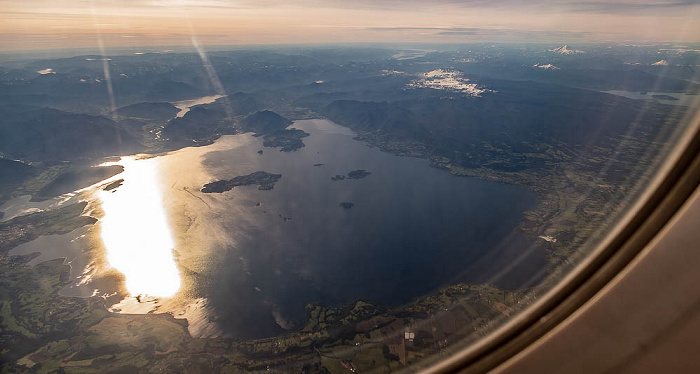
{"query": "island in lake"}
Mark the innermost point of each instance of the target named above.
(346, 205)
(355, 174)
(288, 140)
(264, 180)
(358, 174)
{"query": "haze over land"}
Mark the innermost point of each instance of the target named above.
(39, 24)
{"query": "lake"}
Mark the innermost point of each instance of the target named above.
(185, 105)
(261, 256)
(248, 261)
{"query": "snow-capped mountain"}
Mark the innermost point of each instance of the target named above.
(546, 66)
(564, 50)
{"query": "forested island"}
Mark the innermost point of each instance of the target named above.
(264, 180)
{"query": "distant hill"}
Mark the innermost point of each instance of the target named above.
(75, 179)
(518, 117)
(174, 91)
(238, 104)
(199, 124)
(242, 103)
(265, 122)
(153, 111)
(13, 174)
(37, 133)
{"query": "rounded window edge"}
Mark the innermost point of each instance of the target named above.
(675, 181)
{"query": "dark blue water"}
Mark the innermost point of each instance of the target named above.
(412, 230)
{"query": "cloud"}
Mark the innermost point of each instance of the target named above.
(447, 80)
(151, 22)
(191, 3)
(488, 32)
(419, 28)
(626, 7)
(459, 33)
(612, 7)
(517, 35)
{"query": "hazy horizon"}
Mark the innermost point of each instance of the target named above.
(43, 24)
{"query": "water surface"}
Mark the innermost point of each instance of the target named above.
(251, 260)
(185, 105)
(260, 256)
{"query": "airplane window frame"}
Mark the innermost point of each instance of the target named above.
(674, 183)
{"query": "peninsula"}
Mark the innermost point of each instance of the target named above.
(264, 180)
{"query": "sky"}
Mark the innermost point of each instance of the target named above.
(55, 24)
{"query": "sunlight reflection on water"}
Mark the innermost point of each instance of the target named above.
(136, 233)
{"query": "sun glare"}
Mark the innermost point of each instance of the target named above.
(136, 233)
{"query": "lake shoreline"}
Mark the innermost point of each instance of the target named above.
(364, 174)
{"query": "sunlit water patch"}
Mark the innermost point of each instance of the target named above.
(246, 262)
(185, 105)
(136, 233)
